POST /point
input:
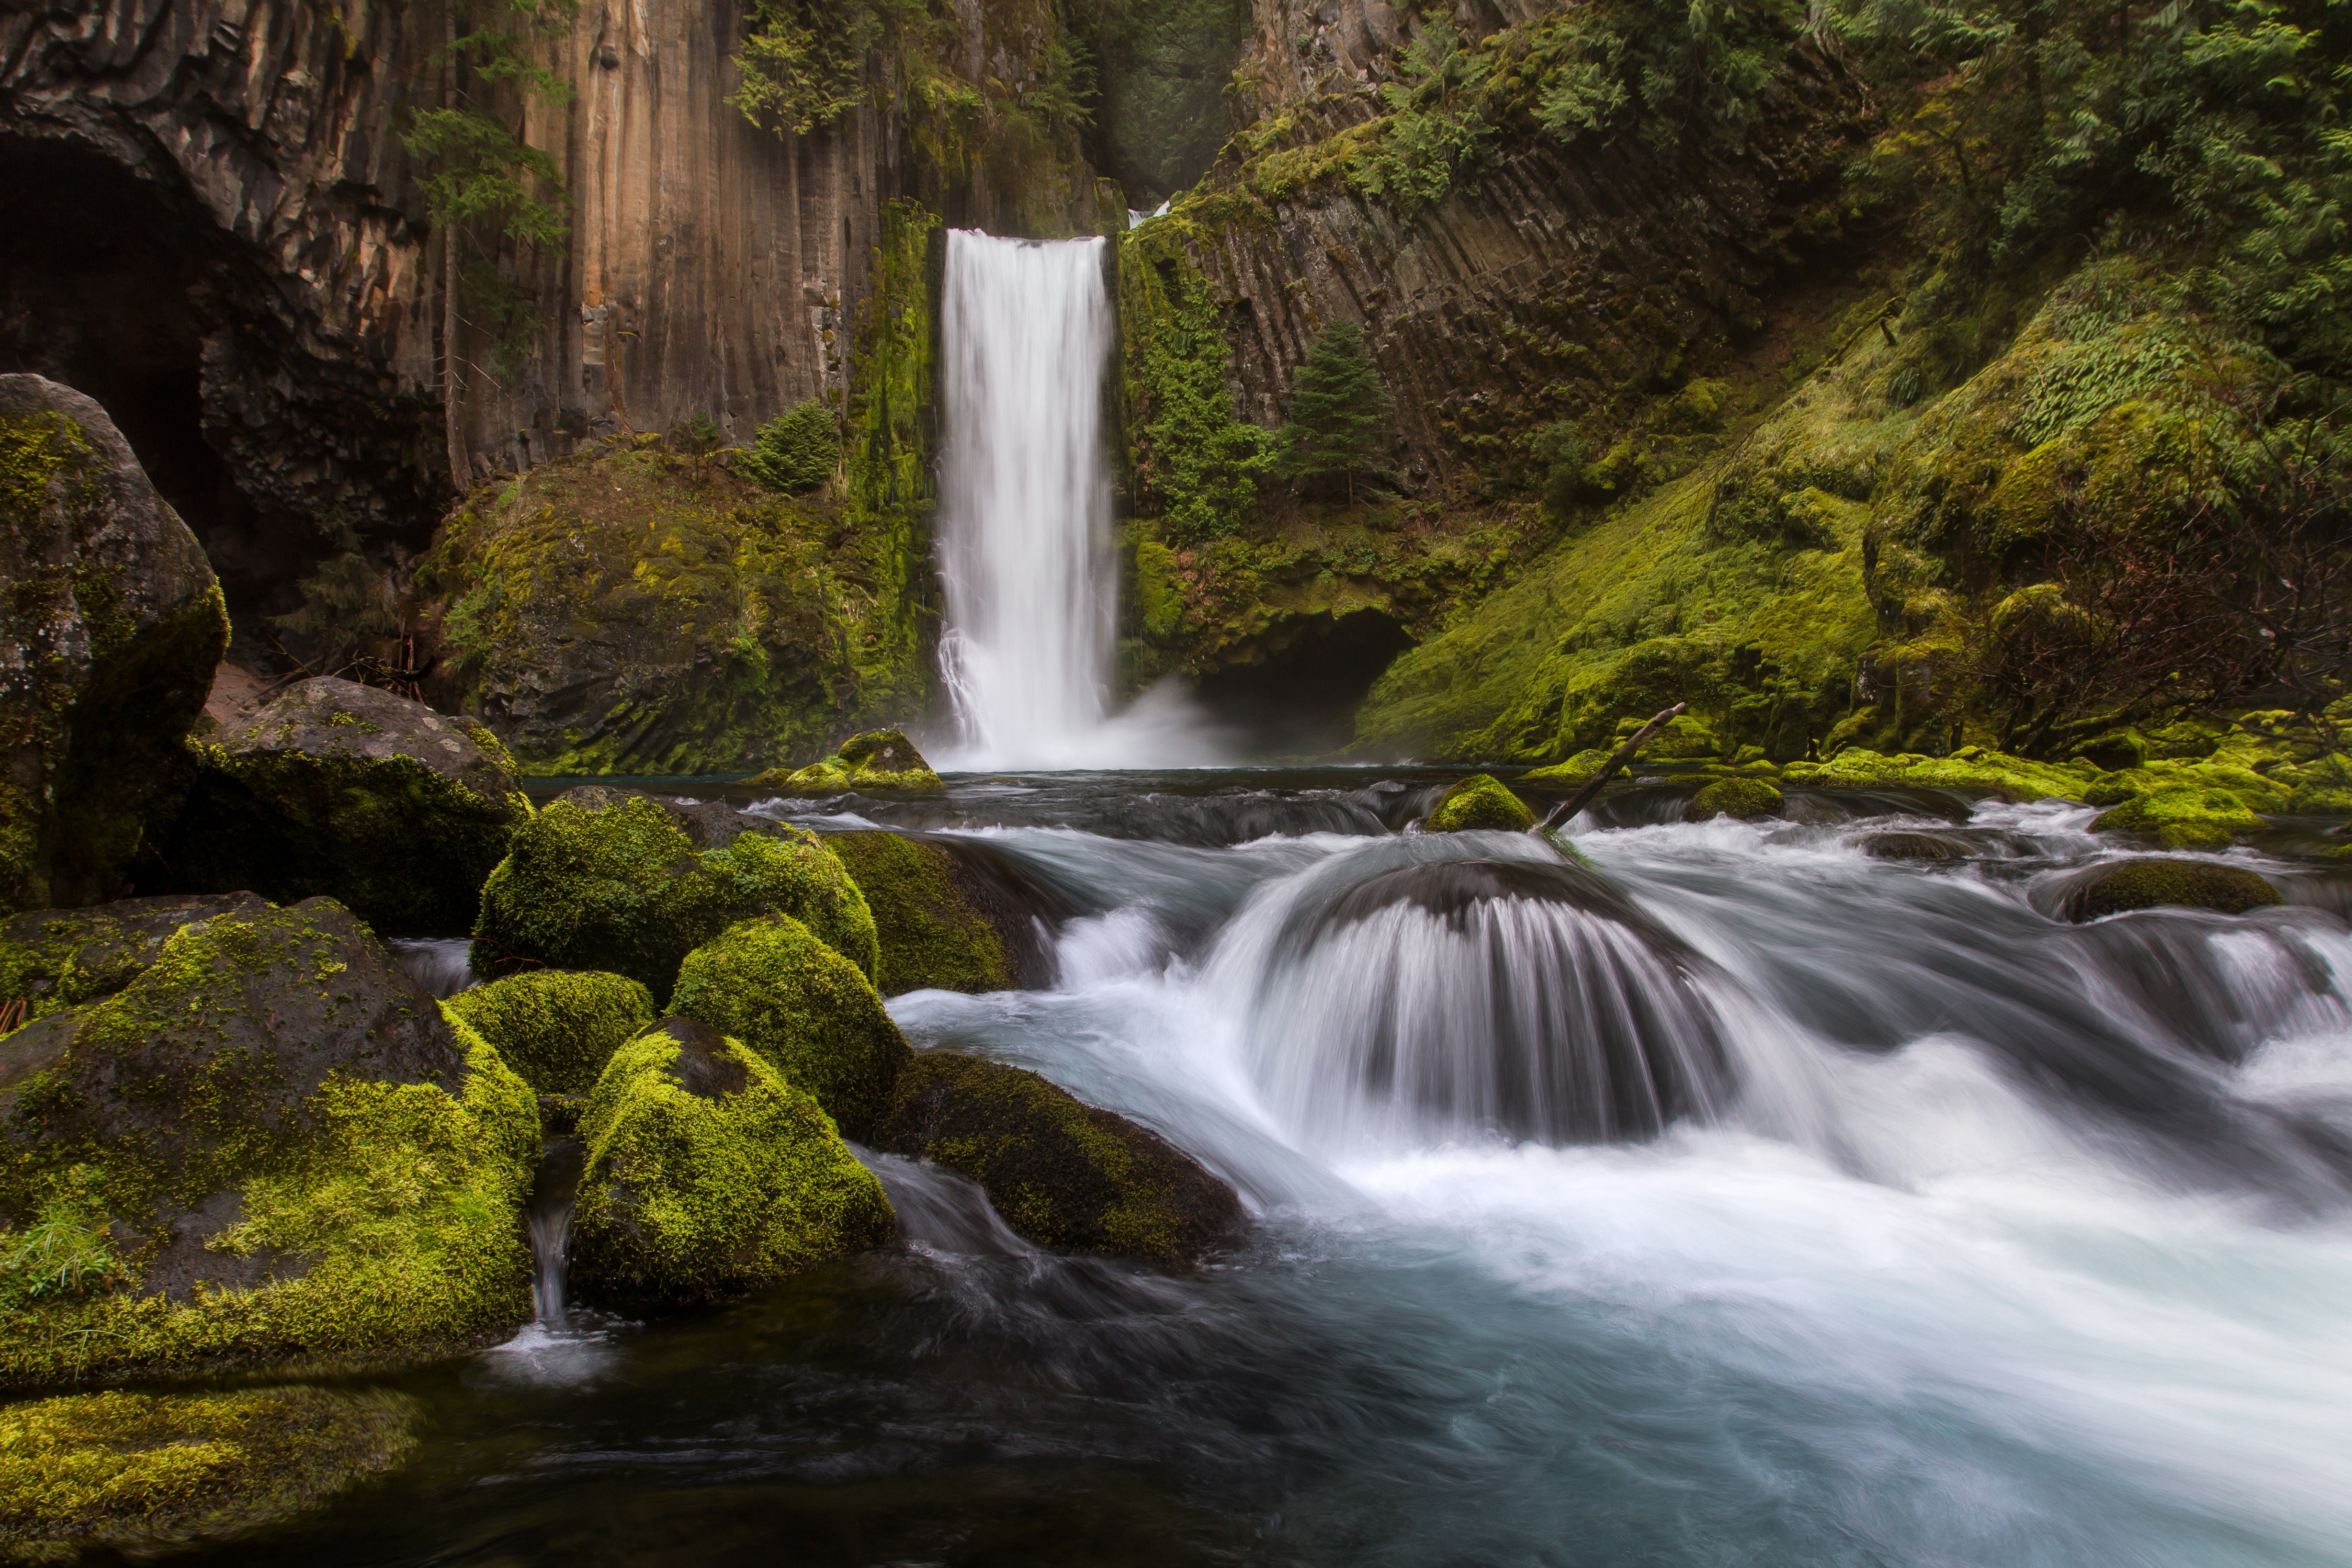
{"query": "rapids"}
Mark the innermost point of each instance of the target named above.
(1739, 1198)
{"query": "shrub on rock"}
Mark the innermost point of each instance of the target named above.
(1064, 1174)
(771, 984)
(879, 759)
(1745, 799)
(556, 1028)
(115, 626)
(927, 915)
(346, 791)
(270, 1143)
(56, 958)
(2190, 884)
(1477, 802)
(708, 1174)
(622, 888)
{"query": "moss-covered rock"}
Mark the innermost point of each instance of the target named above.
(2184, 818)
(142, 1473)
(622, 888)
(113, 625)
(1745, 799)
(556, 1028)
(1970, 767)
(1064, 1174)
(1577, 770)
(879, 759)
(932, 918)
(269, 1144)
(1479, 802)
(708, 1174)
(348, 791)
(56, 958)
(2191, 885)
(773, 986)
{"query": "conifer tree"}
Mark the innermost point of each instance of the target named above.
(1336, 408)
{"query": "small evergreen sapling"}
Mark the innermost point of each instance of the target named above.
(1337, 409)
(794, 451)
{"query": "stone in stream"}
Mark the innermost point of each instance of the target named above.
(1747, 800)
(2154, 884)
(708, 1174)
(269, 1143)
(347, 790)
(1062, 1173)
(1910, 847)
(1479, 802)
(951, 915)
(109, 633)
(879, 759)
(556, 1028)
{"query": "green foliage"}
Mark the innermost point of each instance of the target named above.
(1163, 64)
(1436, 128)
(794, 451)
(1196, 466)
(802, 62)
(66, 1252)
(1338, 406)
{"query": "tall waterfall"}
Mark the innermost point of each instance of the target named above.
(1025, 515)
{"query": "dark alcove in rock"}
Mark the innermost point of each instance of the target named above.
(1300, 699)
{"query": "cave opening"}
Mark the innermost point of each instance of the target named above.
(1300, 699)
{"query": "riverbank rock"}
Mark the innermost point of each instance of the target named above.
(110, 631)
(805, 1008)
(142, 1473)
(346, 791)
(708, 1174)
(2183, 818)
(51, 959)
(879, 759)
(1065, 1174)
(940, 926)
(2189, 884)
(622, 888)
(270, 1144)
(1479, 802)
(556, 1028)
(1969, 768)
(1745, 799)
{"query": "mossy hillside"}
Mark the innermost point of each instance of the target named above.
(708, 1174)
(1479, 802)
(269, 1144)
(1065, 1174)
(556, 1028)
(932, 935)
(142, 1473)
(879, 759)
(2189, 884)
(623, 889)
(805, 1008)
(52, 960)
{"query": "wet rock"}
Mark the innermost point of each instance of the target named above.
(556, 1028)
(268, 1144)
(1745, 799)
(110, 631)
(948, 918)
(622, 888)
(57, 958)
(805, 1008)
(1064, 1174)
(1910, 847)
(2189, 818)
(1479, 802)
(879, 759)
(346, 791)
(708, 1174)
(706, 824)
(2189, 884)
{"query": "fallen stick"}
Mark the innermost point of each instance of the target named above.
(1567, 810)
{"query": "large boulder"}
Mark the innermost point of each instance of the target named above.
(943, 924)
(2183, 818)
(1748, 799)
(349, 791)
(556, 1028)
(145, 1473)
(110, 631)
(51, 959)
(621, 887)
(771, 984)
(269, 1143)
(879, 759)
(1479, 802)
(1065, 1174)
(2185, 884)
(708, 1174)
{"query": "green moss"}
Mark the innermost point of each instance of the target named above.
(1578, 769)
(1064, 1174)
(556, 1028)
(144, 1472)
(2183, 817)
(1745, 799)
(1479, 802)
(622, 889)
(931, 938)
(708, 1175)
(2193, 884)
(804, 1008)
(57, 958)
(879, 759)
(1970, 767)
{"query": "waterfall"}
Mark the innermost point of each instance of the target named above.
(1025, 515)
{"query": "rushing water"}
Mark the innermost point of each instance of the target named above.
(1971, 1238)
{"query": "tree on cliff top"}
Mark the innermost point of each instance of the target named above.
(1336, 408)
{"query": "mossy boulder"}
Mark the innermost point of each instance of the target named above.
(1745, 799)
(269, 1144)
(348, 791)
(940, 926)
(113, 625)
(1479, 802)
(1969, 768)
(51, 959)
(621, 888)
(708, 1174)
(2183, 818)
(145, 1473)
(879, 759)
(2189, 884)
(1065, 1174)
(556, 1028)
(1576, 770)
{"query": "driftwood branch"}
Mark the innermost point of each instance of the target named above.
(1567, 810)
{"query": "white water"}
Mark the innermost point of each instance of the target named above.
(1024, 518)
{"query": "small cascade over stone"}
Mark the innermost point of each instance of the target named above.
(553, 1197)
